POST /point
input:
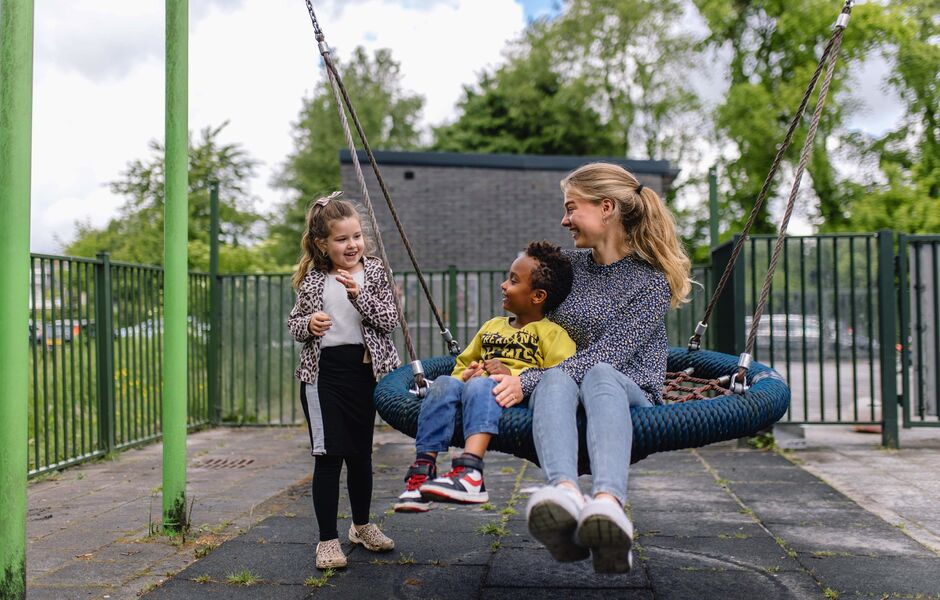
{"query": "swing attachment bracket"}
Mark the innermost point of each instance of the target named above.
(421, 383)
(738, 383)
(452, 346)
(695, 342)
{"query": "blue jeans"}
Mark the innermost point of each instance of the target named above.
(438, 411)
(607, 395)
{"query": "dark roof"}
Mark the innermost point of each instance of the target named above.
(522, 162)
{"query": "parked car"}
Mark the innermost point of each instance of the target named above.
(53, 332)
(779, 329)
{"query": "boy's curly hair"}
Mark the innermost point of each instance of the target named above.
(553, 273)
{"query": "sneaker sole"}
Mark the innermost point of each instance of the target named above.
(454, 496)
(412, 507)
(356, 541)
(610, 545)
(554, 527)
(331, 565)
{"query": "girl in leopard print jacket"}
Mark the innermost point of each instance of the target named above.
(344, 316)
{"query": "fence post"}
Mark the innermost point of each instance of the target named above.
(452, 301)
(728, 322)
(104, 342)
(887, 337)
(215, 309)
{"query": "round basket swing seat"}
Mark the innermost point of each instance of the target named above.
(655, 429)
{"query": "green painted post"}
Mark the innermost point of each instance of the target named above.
(16, 118)
(176, 277)
(452, 321)
(215, 309)
(887, 338)
(728, 317)
(104, 344)
(713, 206)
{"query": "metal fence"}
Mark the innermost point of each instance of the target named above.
(919, 285)
(829, 328)
(88, 398)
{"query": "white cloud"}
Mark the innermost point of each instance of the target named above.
(98, 81)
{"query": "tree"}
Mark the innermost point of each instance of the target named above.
(136, 235)
(907, 196)
(389, 118)
(775, 47)
(527, 107)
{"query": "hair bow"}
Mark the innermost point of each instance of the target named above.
(325, 200)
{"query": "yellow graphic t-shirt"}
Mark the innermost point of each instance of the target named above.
(541, 344)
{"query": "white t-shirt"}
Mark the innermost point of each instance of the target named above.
(347, 322)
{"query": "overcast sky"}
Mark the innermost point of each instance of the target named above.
(98, 81)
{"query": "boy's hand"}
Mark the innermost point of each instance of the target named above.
(352, 288)
(319, 323)
(494, 367)
(473, 369)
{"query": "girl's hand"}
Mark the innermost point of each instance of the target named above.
(508, 390)
(352, 288)
(494, 367)
(319, 323)
(473, 369)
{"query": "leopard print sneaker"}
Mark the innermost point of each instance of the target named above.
(371, 537)
(330, 555)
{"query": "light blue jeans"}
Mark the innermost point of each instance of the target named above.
(607, 395)
(477, 403)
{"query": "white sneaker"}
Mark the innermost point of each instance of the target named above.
(605, 529)
(552, 513)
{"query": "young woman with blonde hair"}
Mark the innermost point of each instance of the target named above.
(629, 269)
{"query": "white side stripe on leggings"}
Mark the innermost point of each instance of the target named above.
(312, 398)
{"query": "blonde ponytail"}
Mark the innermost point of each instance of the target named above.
(649, 226)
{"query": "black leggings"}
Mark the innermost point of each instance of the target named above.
(326, 491)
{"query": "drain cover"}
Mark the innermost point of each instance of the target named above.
(223, 463)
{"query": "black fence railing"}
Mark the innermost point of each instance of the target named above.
(822, 330)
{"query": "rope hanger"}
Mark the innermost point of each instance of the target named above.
(342, 98)
(828, 60)
(737, 380)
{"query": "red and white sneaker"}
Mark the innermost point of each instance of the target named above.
(463, 484)
(418, 474)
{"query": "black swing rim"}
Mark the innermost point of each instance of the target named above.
(655, 429)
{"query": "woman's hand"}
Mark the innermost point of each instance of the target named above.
(319, 323)
(352, 288)
(508, 390)
(473, 370)
(494, 367)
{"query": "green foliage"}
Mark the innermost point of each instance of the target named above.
(527, 107)
(136, 234)
(603, 78)
(900, 186)
(389, 117)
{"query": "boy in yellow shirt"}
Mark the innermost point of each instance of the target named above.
(539, 280)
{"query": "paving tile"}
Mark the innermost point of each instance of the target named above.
(524, 568)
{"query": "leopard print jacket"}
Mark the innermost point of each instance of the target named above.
(379, 318)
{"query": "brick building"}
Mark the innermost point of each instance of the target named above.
(476, 211)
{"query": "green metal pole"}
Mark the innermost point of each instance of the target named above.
(176, 276)
(16, 118)
(104, 343)
(713, 206)
(887, 338)
(215, 309)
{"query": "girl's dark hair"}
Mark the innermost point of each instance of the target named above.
(553, 273)
(320, 215)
